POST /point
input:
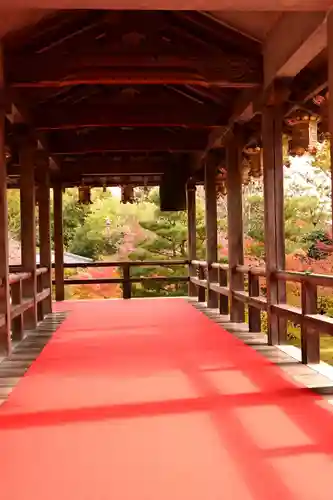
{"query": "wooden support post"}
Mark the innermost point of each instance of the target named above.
(211, 230)
(235, 225)
(58, 243)
(5, 338)
(254, 313)
(127, 285)
(310, 337)
(272, 120)
(43, 197)
(191, 235)
(28, 223)
(330, 91)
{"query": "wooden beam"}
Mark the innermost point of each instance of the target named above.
(272, 120)
(295, 40)
(204, 5)
(306, 39)
(243, 111)
(58, 242)
(5, 326)
(230, 70)
(191, 233)
(98, 166)
(28, 225)
(211, 229)
(126, 140)
(43, 197)
(330, 100)
(235, 223)
(94, 116)
(19, 115)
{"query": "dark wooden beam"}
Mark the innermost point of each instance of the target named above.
(58, 242)
(330, 100)
(99, 166)
(5, 325)
(93, 116)
(122, 140)
(229, 70)
(243, 111)
(295, 40)
(134, 180)
(306, 86)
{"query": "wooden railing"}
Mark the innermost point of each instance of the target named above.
(126, 280)
(28, 296)
(312, 323)
(24, 300)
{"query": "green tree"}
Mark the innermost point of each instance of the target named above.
(165, 239)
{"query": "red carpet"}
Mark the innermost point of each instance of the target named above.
(149, 400)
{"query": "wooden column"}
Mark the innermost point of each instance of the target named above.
(235, 225)
(272, 120)
(58, 243)
(43, 197)
(191, 234)
(28, 223)
(330, 90)
(211, 229)
(5, 339)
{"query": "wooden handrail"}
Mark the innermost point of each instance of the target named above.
(313, 278)
(41, 270)
(123, 263)
(16, 277)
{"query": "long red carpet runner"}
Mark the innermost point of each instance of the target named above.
(150, 400)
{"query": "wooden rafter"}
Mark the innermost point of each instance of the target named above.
(104, 140)
(79, 116)
(106, 69)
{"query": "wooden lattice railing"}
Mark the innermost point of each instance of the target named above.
(312, 323)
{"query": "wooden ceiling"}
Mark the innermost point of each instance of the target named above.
(114, 93)
(107, 83)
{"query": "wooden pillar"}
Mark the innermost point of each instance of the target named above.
(191, 234)
(235, 224)
(5, 339)
(272, 121)
(43, 197)
(211, 229)
(330, 90)
(58, 243)
(28, 223)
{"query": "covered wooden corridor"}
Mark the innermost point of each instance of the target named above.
(150, 399)
(140, 407)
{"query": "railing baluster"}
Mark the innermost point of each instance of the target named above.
(127, 285)
(39, 304)
(17, 322)
(201, 289)
(254, 313)
(224, 300)
(310, 337)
